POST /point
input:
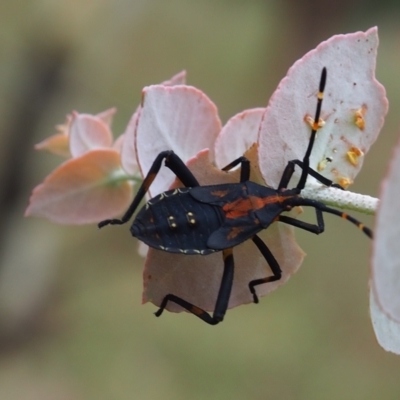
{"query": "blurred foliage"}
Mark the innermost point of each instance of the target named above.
(71, 322)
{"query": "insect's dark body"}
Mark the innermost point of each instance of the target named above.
(176, 222)
(205, 219)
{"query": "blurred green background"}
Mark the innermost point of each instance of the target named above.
(71, 321)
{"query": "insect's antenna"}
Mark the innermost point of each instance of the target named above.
(315, 126)
(324, 208)
(349, 218)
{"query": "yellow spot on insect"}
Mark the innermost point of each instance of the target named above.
(323, 163)
(344, 182)
(359, 117)
(190, 218)
(354, 154)
(172, 223)
(310, 121)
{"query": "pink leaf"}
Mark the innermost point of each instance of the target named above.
(177, 79)
(353, 109)
(128, 151)
(197, 278)
(88, 132)
(385, 274)
(82, 190)
(57, 144)
(386, 330)
(179, 118)
(237, 136)
(118, 143)
(107, 116)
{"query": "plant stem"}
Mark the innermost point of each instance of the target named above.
(341, 198)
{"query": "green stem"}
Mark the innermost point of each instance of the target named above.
(120, 176)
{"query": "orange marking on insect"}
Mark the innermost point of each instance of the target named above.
(219, 193)
(232, 234)
(150, 179)
(227, 253)
(241, 207)
(196, 310)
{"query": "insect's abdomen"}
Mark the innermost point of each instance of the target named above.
(175, 222)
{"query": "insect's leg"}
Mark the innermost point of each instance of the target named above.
(173, 162)
(286, 176)
(305, 164)
(225, 289)
(245, 168)
(319, 209)
(306, 159)
(288, 172)
(198, 312)
(221, 304)
(179, 168)
(317, 229)
(323, 208)
(273, 264)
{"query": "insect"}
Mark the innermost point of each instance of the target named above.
(202, 220)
